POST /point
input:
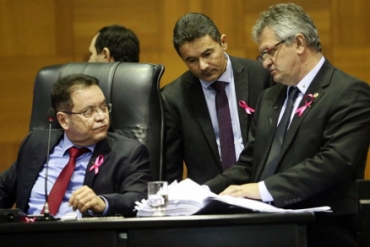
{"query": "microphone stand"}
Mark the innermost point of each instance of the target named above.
(47, 215)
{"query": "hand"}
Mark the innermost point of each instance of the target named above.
(246, 190)
(85, 198)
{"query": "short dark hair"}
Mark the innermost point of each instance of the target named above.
(123, 44)
(65, 86)
(193, 26)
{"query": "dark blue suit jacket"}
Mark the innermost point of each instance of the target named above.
(189, 132)
(324, 150)
(122, 178)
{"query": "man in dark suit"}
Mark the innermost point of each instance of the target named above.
(192, 127)
(108, 178)
(325, 147)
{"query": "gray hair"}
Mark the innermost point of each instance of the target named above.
(288, 20)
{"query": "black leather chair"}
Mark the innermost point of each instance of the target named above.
(363, 194)
(132, 88)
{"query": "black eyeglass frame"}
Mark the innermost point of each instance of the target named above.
(108, 109)
(268, 50)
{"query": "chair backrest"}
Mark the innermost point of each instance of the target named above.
(133, 90)
(363, 195)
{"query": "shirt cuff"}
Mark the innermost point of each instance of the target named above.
(105, 212)
(265, 194)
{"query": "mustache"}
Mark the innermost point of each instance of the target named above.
(206, 71)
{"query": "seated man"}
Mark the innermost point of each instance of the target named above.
(108, 177)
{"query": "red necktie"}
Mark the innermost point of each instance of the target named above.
(224, 124)
(60, 186)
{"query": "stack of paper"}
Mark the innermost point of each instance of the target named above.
(188, 197)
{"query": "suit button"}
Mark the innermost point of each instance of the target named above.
(286, 202)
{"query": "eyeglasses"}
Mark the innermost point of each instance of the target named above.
(89, 112)
(269, 52)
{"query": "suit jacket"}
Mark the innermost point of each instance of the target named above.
(324, 150)
(189, 133)
(122, 177)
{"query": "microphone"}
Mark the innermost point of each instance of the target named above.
(47, 216)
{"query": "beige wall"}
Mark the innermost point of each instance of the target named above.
(37, 33)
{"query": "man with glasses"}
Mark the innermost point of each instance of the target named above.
(313, 155)
(109, 174)
(269, 52)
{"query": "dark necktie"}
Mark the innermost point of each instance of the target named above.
(274, 155)
(60, 186)
(224, 124)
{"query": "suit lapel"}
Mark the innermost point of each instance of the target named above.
(37, 160)
(275, 101)
(242, 93)
(321, 80)
(101, 148)
(198, 103)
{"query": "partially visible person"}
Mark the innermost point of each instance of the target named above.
(109, 177)
(114, 43)
(324, 150)
(193, 130)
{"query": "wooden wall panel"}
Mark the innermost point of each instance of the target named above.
(38, 33)
(142, 16)
(63, 28)
(351, 20)
(23, 29)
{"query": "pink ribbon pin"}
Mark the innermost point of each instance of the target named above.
(26, 219)
(308, 98)
(247, 109)
(99, 160)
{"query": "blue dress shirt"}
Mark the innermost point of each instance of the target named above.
(57, 161)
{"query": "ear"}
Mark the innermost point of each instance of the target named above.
(107, 55)
(300, 43)
(63, 120)
(223, 42)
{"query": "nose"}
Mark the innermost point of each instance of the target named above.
(267, 62)
(203, 64)
(99, 114)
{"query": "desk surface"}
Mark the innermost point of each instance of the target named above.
(161, 222)
(254, 229)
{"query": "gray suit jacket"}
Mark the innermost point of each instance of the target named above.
(324, 151)
(189, 133)
(122, 177)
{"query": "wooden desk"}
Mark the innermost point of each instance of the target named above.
(254, 229)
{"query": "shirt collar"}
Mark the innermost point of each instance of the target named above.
(65, 144)
(304, 84)
(225, 77)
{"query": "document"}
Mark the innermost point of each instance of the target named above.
(188, 198)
